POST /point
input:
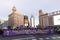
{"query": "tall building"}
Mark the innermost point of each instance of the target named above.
(26, 21)
(15, 19)
(45, 19)
(32, 21)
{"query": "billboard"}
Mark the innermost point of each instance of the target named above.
(26, 20)
(56, 20)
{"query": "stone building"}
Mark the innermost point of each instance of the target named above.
(45, 19)
(15, 19)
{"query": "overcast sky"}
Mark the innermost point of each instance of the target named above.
(28, 7)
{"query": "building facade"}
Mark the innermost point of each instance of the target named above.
(26, 22)
(32, 21)
(15, 19)
(3, 24)
(45, 20)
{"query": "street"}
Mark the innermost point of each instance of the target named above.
(33, 37)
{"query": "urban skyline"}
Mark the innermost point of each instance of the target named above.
(30, 19)
(28, 7)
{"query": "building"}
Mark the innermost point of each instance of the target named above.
(45, 19)
(3, 24)
(26, 22)
(32, 21)
(49, 19)
(15, 19)
(1, 21)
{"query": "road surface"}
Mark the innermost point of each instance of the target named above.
(33, 37)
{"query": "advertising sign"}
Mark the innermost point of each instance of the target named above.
(57, 20)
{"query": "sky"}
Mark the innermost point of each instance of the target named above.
(28, 7)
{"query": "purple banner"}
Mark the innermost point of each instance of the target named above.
(26, 31)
